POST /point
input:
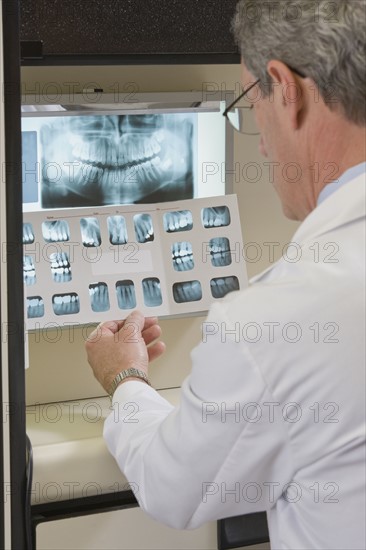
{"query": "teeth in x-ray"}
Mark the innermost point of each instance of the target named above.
(60, 267)
(56, 231)
(152, 292)
(29, 271)
(218, 216)
(220, 251)
(182, 256)
(120, 174)
(66, 304)
(35, 307)
(99, 297)
(90, 232)
(181, 220)
(223, 285)
(118, 159)
(96, 152)
(189, 291)
(126, 294)
(143, 228)
(131, 149)
(117, 230)
(115, 185)
(136, 148)
(28, 235)
(114, 159)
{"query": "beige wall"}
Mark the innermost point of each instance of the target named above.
(58, 370)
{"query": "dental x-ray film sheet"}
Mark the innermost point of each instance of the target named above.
(93, 264)
(105, 159)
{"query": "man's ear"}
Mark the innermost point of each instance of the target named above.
(288, 87)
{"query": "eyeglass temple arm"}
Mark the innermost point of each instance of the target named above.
(240, 97)
(252, 86)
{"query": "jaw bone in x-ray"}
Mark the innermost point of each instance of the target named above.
(28, 234)
(143, 228)
(126, 296)
(117, 230)
(29, 271)
(189, 291)
(60, 267)
(221, 286)
(182, 256)
(117, 159)
(90, 232)
(218, 216)
(99, 297)
(66, 304)
(152, 292)
(220, 252)
(180, 220)
(56, 231)
(35, 307)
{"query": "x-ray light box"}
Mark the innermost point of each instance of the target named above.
(164, 147)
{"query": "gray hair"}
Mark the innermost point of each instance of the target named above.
(323, 40)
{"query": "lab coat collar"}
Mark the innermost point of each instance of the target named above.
(344, 206)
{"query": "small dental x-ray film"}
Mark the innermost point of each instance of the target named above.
(89, 265)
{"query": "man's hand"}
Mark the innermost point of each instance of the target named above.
(118, 345)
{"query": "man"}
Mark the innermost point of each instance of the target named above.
(276, 424)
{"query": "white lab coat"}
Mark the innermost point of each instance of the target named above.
(286, 357)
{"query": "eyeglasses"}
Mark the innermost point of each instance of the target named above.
(237, 115)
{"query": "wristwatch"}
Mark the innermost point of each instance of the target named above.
(128, 373)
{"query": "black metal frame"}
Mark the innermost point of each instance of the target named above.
(84, 506)
(242, 531)
(14, 262)
(29, 58)
(234, 532)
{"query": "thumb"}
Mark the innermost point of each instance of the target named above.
(103, 329)
(133, 327)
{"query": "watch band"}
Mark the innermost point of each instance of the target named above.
(128, 373)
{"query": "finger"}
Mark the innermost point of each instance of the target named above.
(156, 350)
(103, 329)
(96, 334)
(109, 326)
(136, 317)
(150, 321)
(151, 334)
(132, 327)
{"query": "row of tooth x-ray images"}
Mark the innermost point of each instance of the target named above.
(105, 159)
(188, 291)
(77, 264)
(58, 230)
(218, 249)
(182, 260)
